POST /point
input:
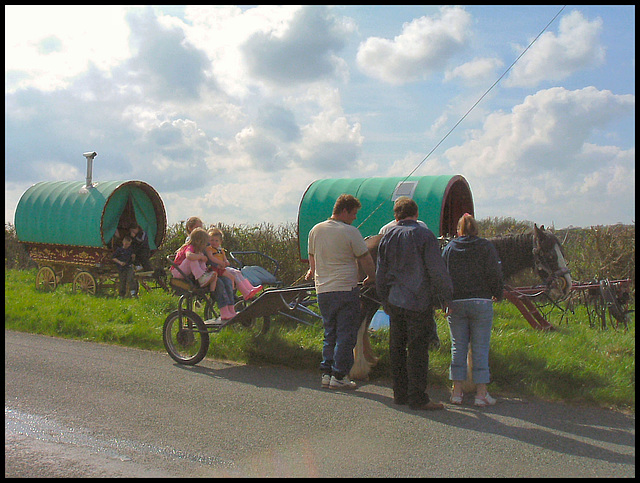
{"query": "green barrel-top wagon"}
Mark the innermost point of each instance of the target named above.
(69, 228)
(441, 200)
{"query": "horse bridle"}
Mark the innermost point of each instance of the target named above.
(542, 265)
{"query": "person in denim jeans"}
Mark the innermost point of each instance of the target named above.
(336, 251)
(411, 281)
(476, 273)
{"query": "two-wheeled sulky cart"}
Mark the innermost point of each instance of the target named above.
(186, 334)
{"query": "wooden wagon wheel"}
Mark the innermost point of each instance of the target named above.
(46, 279)
(85, 282)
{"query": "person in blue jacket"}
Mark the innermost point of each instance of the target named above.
(411, 281)
(476, 273)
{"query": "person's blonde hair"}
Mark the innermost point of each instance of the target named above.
(216, 232)
(199, 239)
(192, 223)
(467, 225)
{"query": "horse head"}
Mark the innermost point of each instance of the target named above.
(550, 263)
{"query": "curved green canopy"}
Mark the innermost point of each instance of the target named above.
(441, 200)
(68, 213)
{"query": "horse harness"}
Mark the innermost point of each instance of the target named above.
(544, 261)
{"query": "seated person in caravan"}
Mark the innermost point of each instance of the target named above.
(219, 261)
(140, 245)
(121, 231)
(192, 261)
(124, 257)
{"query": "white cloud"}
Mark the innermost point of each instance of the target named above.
(330, 144)
(49, 45)
(305, 51)
(553, 124)
(553, 58)
(268, 47)
(417, 165)
(231, 112)
(539, 155)
(478, 71)
(424, 46)
(220, 31)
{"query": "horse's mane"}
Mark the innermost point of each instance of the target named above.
(515, 252)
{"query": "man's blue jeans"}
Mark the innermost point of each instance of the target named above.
(341, 319)
(470, 320)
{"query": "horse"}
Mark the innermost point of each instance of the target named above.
(539, 250)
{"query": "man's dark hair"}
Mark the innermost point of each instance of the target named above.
(405, 207)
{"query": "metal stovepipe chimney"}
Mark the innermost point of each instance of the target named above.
(89, 157)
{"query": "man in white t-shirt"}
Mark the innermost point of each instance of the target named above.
(336, 251)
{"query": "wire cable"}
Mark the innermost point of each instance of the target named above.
(471, 108)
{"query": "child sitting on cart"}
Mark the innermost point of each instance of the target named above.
(192, 261)
(218, 259)
(192, 223)
(225, 293)
(124, 257)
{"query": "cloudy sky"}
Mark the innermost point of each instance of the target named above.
(231, 112)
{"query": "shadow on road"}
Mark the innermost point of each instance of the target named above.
(577, 431)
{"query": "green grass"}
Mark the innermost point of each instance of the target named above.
(575, 363)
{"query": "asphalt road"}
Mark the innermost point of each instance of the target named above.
(79, 409)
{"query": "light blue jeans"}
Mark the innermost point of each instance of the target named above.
(470, 321)
(224, 292)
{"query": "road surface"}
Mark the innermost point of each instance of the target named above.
(80, 409)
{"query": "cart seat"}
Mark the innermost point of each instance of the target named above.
(186, 285)
(259, 276)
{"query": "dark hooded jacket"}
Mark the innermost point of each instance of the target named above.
(474, 267)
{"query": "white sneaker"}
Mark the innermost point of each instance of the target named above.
(216, 321)
(326, 380)
(483, 401)
(204, 278)
(344, 383)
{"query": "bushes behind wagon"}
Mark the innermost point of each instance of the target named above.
(593, 253)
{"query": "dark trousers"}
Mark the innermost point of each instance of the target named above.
(409, 335)
(142, 258)
(127, 278)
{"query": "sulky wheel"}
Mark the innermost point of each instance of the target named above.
(85, 282)
(185, 337)
(46, 279)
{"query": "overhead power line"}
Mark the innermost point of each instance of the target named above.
(473, 106)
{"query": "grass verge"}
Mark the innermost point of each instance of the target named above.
(575, 363)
